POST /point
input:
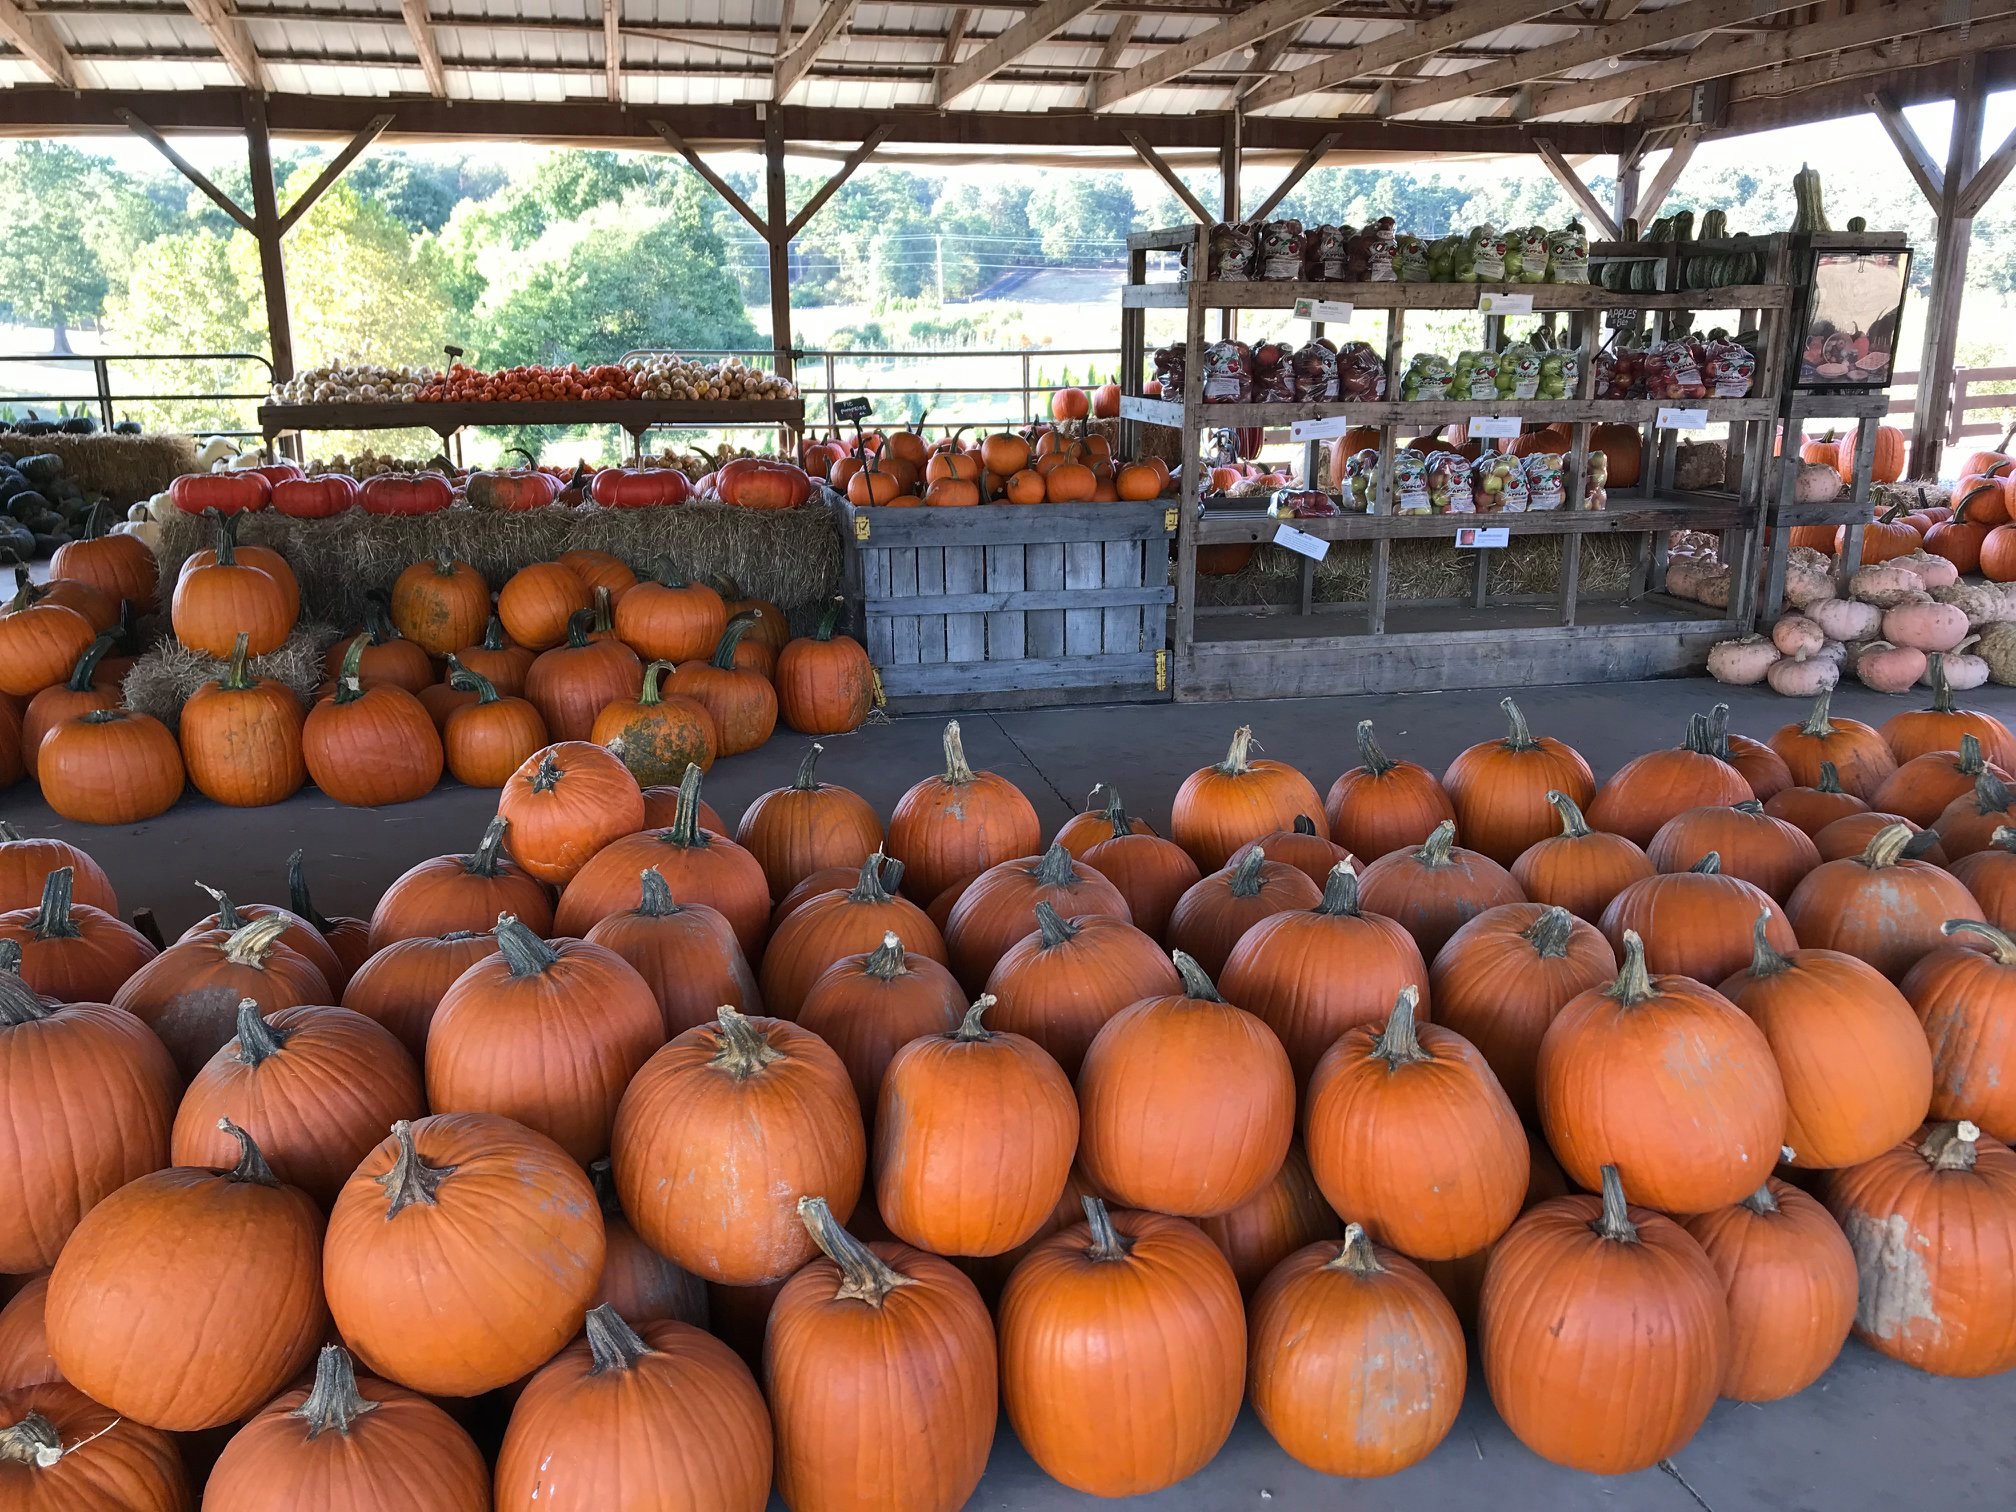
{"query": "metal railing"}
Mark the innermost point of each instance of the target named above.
(106, 397)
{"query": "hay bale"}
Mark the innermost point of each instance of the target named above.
(1883, 496)
(165, 676)
(125, 468)
(789, 556)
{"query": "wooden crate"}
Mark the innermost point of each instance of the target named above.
(1009, 607)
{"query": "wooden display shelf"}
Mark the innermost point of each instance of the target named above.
(1428, 413)
(633, 415)
(1216, 294)
(1237, 526)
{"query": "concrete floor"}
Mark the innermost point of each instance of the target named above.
(1871, 1434)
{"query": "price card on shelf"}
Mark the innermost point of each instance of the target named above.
(1480, 537)
(851, 409)
(1324, 309)
(1505, 304)
(1313, 547)
(1682, 419)
(1486, 427)
(1327, 429)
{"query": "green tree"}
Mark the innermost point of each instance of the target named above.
(184, 295)
(61, 211)
(1085, 217)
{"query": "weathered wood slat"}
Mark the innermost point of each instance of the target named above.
(903, 628)
(875, 583)
(1043, 571)
(1085, 570)
(1134, 670)
(1007, 638)
(965, 634)
(1076, 600)
(930, 594)
(1002, 524)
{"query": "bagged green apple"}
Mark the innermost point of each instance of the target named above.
(1532, 244)
(1487, 255)
(1518, 371)
(1499, 482)
(1428, 376)
(1560, 369)
(1410, 482)
(1568, 255)
(1411, 259)
(1447, 475)
(1442, 259)
(1475, 376)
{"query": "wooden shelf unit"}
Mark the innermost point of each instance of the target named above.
(1308, 650)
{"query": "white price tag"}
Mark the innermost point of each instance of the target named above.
(1682, 419)
(1486, 427)
(1477, 537)
(1505, 304)
(1327, 429)
(1324, 309)
(1314, 547)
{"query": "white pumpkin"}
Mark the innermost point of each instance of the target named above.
(1816, 483)
(1963, 672)
(1846, 619)
(1888, 668)
(1926, 624)
(1806, 586)
(1715, 587)
(1796, 635)
(1885, 584)
(1803, 676)
(1743, 662)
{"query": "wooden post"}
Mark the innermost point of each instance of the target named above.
(1228, 165)
(1949, 278)
(1626, 200)
(266, 229)
(778, 235)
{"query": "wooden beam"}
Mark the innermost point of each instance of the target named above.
(1571, 181)
(780, 247)
(1295, 175)
(612, 48)
(183, 166)
(1673, 24)
(233, 38)
(1116, 42)
(798, 62)
(1955, 233)
(1168, 176)
(1910, 147)
(1034, 29)
(421, 30)
(1266, 58)
(1457, 24)
(955, 37)
(1978, 190)
(714, 180)
(1615, 10)
(1680, 150)
(784, 14)
(352, 150)
(266, 230)
(1250, 26)
(38, 42)
(1893, 60)
(831, 187)
(1713, 60)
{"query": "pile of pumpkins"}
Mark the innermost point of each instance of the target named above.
(666, 672)
(707, 1161)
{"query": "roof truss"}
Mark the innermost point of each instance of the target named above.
(1252, 25)
(37, 40)
(233, 40)
(421, 30)
(1039, 25)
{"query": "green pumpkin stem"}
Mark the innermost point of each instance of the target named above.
(580, 625)
(829, 619)
(655, 896)
(1942, 689)
(237, 676)
(524, 952)
(228, 916)
(257, 1039)
(1246, 880)
(1356, 1253)
(334, 1401)
(1615, 1222)
(744, 1049)
(1972, 763)
(298, 899)
(378, 626)
(1056, 869)
(1340, 893)
(53, 920)
(739, 625)
(886, 961)
(1519, 736)
(1634, 983)
(411, 1178)
(2000, 945)
(1550, 932)
(1818, 723)
(1399, 1045)
(349, 687)
(1054, 927)
(1709, 865)
(873, 885)
(466, 681)
(806, 781)
(1765, 959)
(1374, 760)
(251, 1166)
(1115, 814)
(546, 776)
(494, 638)
(19, 1003)
(1108, 1243)
(86, 665)
(1196, 981)
(1830, 776)
(686, 832)
(1573, 825)
(648, 696)
(864, 1275)
(612, 1343)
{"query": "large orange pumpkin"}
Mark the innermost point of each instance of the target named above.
(1921, 732)
(1965, 999)
(71, 951)
(189, 994)
(1500, 788)
(1215, 913)
(572, 683)
(952, 827)
(998, 910)
(1880, 907)
(1812, 809)
(1648, 790)
(686, 953)
(370, 746)
(657, 735)
(838, 923)
(1060, 984)
(1435, 890)
(446, 894)
(868, 1006)
(794, 830)
(1922, 787)
(25, 864)
(1220, 808)
(1150, 872)
(402, 985)
(826, 684)
(62, 1452)
(564, 804)
(1579, 869)
(1767, 852)
(1695, 923)
(1268, 1227)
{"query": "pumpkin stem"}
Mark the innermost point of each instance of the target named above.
(686, 832)
(2000, 945)
(411, 1178)
(87, 662)
(1549, 934)
(53, 921)
(1698, 740)
(1246, 881)
(971, 1030)
(1399, 1045)
(602, 1177)
(1573, 825)
(547, 776)
(1634, 984)
(1886, 846)
(298, 899)
(1055, 929)
(1748, 806)
(1990, 796)
(739, 626)
(1718, 732)
(250, 944)
(257, 1039)
(472, 682)
(1951, 1146)
(1817, 724)
(1709, 865)
(237, 676)
(864, 1275)
(1434, 851)
(1235, 763)
(348, 687)
(805, 781)
(1056, 869)
(829, 619)
(19, 1003)
(1115, 814)
(580, 625)
(612, 1343)
(655, 901)
(1356, 1254)
(1765, 961)
(957, 772)
(1942, 690)
(487, 859)
(524, 952)
(228, 916)
(378, 626)
(744, 1049)
(1340, 893)
(872, 887)
(1520, 737)
(1108, 1243)
(885, 962)
(1971, 763)
(494, 638)
(251, 1165)
(32, 1441)
(1615, 1223)
(647, 693)
(1196, 981)
(1761, 1201)
(8, 834)
(1374, 760)
(1830, 777)
(334, 1401)
(2004, 838)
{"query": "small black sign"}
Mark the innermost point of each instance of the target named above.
(851, 409)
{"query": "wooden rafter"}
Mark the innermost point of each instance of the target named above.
(1615, 10)
(1034, 29)
(1886, 58)
(1681, 150)
(1457, 24)
(1653, 30)
(1267, 57)
(1712, 60)
(1116, 42)
(795, 64)
(1925, 173)
(1168, 175)
(352, 150)
(612, 48)
(38, 42)
(955, 36)
(714, 180)
(831, 187)
(1979, 189)
(183, 166)
(233, 38)
(1295, 175)
(1571, 182)
(421, 30)
(1252, 25)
